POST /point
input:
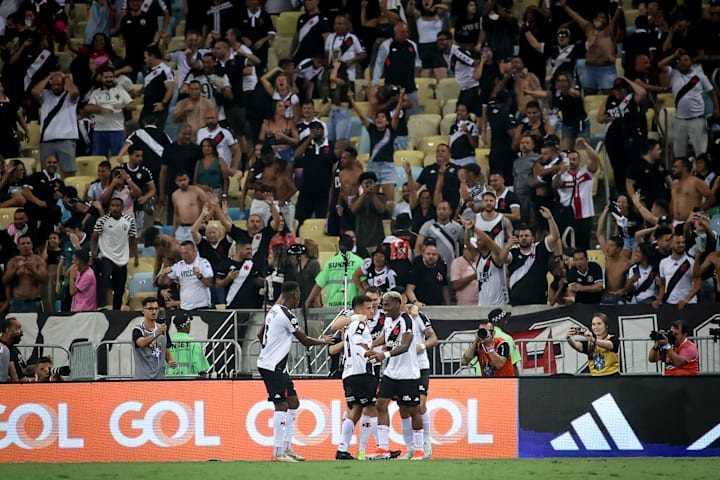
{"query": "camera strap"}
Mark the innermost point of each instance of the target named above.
(679, 273)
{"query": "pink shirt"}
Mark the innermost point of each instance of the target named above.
(461, 268)
(85, 300)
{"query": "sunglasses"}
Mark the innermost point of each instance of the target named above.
(563, 34)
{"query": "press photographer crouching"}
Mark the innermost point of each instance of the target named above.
(45, 372)
(493, 353)
(598, 344)
(675, 350)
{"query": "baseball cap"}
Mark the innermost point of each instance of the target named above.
(181, 320)
(498, 315)
(403, 221)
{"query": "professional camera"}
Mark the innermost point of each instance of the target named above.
(63, 371)
(659, 335)
(483, 333)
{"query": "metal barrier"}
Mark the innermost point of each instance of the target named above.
(118, 363)
(83, 362)
(32, 352)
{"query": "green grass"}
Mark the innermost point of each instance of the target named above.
(552, 469)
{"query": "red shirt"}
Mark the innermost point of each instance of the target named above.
(502, 349)
(688, 351)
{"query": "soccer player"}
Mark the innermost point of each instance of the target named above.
(401, 376)
(276, 336)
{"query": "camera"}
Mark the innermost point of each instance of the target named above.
(63, 371)
(657, 336)
(483, 333)
(296, 249)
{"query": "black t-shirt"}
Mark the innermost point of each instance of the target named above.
(650, 179)
(387, 137)
(528, 280)
(312, 44)
(418, 219)
(233, 68)
(593, 274)
(467, 30)
(400, 65)
(428, 281)
(248, 296)
(139, 32)
(491, 74)
(572, 108)
(317, 166)
(141, 176)
(179, 158)
(504, 203)
(451, 187)
(628, 121)
(152, 158)
(44, 187)
(501, 120)
(214, 255)
(17, 359)
(274, 279)
(261, 29)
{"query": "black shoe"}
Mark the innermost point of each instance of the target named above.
(394, 453)
(343, 456)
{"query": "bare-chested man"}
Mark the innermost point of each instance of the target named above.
(600, 71)
(616, 265)
(687, 191)
(24, 279)
(348, 178)
(270, 178)
(524, 82)
(188, 201)
(167, 249)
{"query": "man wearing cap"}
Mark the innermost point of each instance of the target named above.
(315, 157)
(491, 352)
(240, 277)
(369, 211)
(689, 86)
(151, 341)
(188, 355)
(108, 103)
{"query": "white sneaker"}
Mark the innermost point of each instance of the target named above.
(294, 455)
(408, 455)
(428, 450)
(284, 458)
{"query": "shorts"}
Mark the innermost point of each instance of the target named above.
(424, 382)
(404, 392)
(629, 243)
(580, 129)
(360, 390)
(278, 385)
(385, 172)
(431, 56)
(63, 150)
(598, 77)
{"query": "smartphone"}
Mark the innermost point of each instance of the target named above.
(636, 270)
(516, 232)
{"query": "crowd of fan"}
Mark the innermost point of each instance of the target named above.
(459, 235)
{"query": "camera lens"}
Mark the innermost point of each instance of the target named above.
(483, 333)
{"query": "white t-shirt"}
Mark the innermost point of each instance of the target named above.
(405, 365)
(115, 234)
(354, 359)
(64, 125)
(278, 331)
(576, 191)
(108, 99)
(421, 324)
(692, 104)
(668, 267)
(193, 293)
(492, 285)
(223, 138)
(349, 47)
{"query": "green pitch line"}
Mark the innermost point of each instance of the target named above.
(551, 469)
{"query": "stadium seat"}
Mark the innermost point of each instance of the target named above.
(80, 182)
(287, 23)
(664, 100)
(78, 30)
(363, 158)
(593, 102)
(482, 157)
(140, 282)
(361, 88)
(447, 89)
(237, 213)
(364, 107)
(666, 122)
(118, 46)
(446, 123)
(282, 45)
(28, 162)
(422, 125)
(355, 140)
(65, 59)
(180, 29)
(234, 191)
(597, 129)
(429, 159)
(429, 144)
(241, 224)
(323, 258)
(88, 165)
(7, 215)
(425, 87)
(116, 160)
(34, 141)
(430, 105)
(176, 43)
(630, 16)
(413, 157)
(597, 256)
(449, 107)
(313, 228)
(146, 265)
(328, 244)
(650, 118)
(272, 58)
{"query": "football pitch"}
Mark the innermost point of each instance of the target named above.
(626, 468)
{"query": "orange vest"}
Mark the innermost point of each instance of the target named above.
(487, 368)
(690, 368)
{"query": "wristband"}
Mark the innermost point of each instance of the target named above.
(489, 350)
(423, 346)
(666, 346)
(387, 355)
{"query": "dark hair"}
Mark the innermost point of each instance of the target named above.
(345, 242)
(191, 31)
(147, 300)
(208, 54)
(6, 323)
(187, 243)
(359, 300)
(399, 289)
(289, 287)
(681, 325)
(308, 101)
(662, 231)
(351, 151)
(650, 144)
(212, 144)
(105, 164)
(285, 63)
(181, 173)
(524, 226)
(618, 240)
(373, 289)
(445, 33)
(45, 359)
(473, 168)
(581, 251)
(646, 250)
(662, 203)
(153, 50)
(134, 148)
(20, 210)
(151, 234)
(118, 199)
(686, 163)
(27, 235)
(533, 104)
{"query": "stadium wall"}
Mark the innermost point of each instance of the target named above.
(471, 418)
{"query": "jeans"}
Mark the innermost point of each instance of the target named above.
(338, 123)
(25, 305)
(105, 141)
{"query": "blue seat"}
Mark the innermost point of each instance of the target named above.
(237, 213)
(141, 282)
(148, 252)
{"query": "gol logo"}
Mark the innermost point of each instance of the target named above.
(149, 428)
(54, 427)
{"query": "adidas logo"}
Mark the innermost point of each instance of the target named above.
(592, 437)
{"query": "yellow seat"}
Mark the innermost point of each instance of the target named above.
(118, 45)
(597, 256)
(593, 102)
(34, 141)
(446, 123)
(630, 16)
(422, 125)
(65, 59)
(287, 23)
(146, 265)
(596, 128)
(79, 12)
(79, 28)
(135, 302)
(282, 45)
(328, 244)
(650, 118)
(80, 182)
(324, 256)
(664, 100)
(117, 160)
(180, 28)
(356, 142)
(482, 157)
(364, 107)
(176, 43)
(429, 144)
(413, 157)
(313, 228)
(234, 189)
(88, 165)
(449, 107)
(363, 158)
(429, 159)
(447, 89)
(431, 105)
(7, 215)
(425, 87)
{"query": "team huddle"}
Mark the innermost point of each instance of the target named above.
(397, 332)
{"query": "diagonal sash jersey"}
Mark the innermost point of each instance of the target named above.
(421, 324)
(376, 326)
(405, 365)
(357, 335)
(280, 327)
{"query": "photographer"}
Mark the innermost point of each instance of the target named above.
(673, 348)
(45, 372)
(599, 345)
(493, 353)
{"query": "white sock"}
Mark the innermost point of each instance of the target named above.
(374, 430)
(417, 436)
(426, 427)
(364, 432)
(383, 436)
(407, 432)
(279, 433)
(289, 428)
(347, 430)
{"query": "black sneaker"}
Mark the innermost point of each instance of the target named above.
(394, 453)
(343, 456)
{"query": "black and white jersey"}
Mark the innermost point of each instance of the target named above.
(678, 276)
(154, 84)
(385, 279)
(528, 280)
(405, 365)
(421, 324)
(645, 287)
(492, 284)
(280, 327)
(462, 64)
(142, 177)
(460, 146)
(376, 326)
(494, 228)
(357, 340)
